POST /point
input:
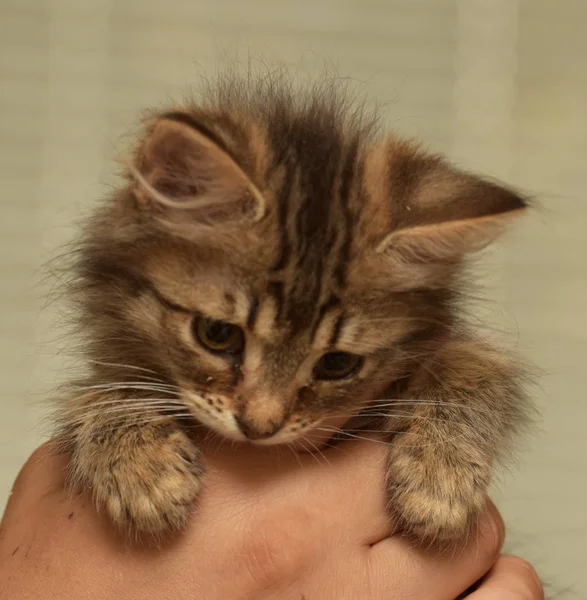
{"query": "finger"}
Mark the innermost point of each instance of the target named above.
(358, 479)
(510, 579)
(43, 473)
(417, 572)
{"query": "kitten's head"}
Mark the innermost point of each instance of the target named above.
(278, 261)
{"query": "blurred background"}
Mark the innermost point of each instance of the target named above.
(499, 85)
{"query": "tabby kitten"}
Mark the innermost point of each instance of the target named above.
(272, 264)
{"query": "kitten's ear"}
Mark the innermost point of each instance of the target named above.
(447, 214)
(184, 165)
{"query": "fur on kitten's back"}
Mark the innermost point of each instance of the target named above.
(274, 263)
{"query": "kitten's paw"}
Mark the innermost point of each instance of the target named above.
(145, 477)
(435, 497)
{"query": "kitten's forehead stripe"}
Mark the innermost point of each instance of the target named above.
(332, 303)
(232, 306)
(314, 225)
(314, 219)
(347, 178)
(253, 313)
(275, 290)
(336, 330)
(323, 334)
(282, 208)
(349, 333)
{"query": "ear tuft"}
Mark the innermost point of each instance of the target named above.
(450, 214)
(182, 166)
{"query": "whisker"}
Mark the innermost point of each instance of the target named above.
(125, 385)
(408, 415)
(309, 452)
(110, 423)
(353, 435)
(391, 403)
(121, 416)
(135, 417)
(133, 367)
(296, 454)
(129, 398)
(150, 379)
(414, 401)
(122, 401)
(317, 450)
(370, 439)
(142, 372)
(84, 411)
(127, 403)
(90, 409)
(77, 404)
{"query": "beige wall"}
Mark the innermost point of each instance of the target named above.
(501, 85)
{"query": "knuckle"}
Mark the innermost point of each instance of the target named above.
(278, 547)
(527, 576)
(41, 455)
(40, 475)
(492, 532)
(36, 464)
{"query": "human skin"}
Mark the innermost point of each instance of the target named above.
(268, 526)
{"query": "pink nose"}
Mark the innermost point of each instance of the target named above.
(252, 432)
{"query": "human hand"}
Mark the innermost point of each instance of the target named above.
(269, 526)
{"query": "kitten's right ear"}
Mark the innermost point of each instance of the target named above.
(183, 165)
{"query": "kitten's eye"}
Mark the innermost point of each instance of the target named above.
(337, 365)
(219, 336)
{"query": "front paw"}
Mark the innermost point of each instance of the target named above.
(145, 477)
(435, 495)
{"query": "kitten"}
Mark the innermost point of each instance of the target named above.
(271, 264)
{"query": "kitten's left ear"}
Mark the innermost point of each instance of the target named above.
(184, 165)
(445, 214)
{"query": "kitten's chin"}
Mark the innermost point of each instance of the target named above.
(281, 438)
(230, 433)
(310, 439)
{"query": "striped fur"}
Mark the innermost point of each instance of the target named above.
(287, 213)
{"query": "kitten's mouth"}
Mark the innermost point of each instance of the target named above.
(309, 437)
(297, 431)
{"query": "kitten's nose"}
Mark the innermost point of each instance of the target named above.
(254, 432)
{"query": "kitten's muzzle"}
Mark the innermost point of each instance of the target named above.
(255, 432)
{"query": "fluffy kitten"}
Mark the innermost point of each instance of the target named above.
(274, 262)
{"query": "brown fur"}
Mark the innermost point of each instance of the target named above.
(284, 213)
